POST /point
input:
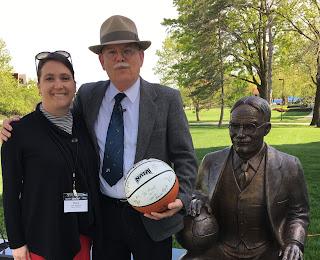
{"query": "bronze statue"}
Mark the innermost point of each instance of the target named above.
(256, 193)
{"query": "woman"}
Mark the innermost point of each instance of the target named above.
(49, 169)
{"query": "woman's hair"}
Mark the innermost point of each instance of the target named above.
(53, 56)
(258, 103)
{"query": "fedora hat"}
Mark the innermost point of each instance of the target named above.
(118, 29)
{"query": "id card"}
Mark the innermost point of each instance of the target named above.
(74, 203)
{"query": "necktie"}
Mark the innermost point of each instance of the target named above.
(243, 177)
(112, 168)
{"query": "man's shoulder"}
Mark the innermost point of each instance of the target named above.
(216, 156)
(159, 88)
(274, 153)
(90, 86)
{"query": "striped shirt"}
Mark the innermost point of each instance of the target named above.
(63, 122)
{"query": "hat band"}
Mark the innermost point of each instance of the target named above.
(119, 36)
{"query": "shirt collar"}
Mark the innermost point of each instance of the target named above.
(132, 92)
(253, 162)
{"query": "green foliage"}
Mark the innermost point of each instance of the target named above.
(15, 98)
(4, 58)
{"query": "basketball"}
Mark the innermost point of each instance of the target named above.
(199, 232)
(151, 185)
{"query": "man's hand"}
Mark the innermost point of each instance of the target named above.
(292, 252)
(21, 253)
(173, 208)
(7, 128)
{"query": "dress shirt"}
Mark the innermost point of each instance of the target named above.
(130, 105)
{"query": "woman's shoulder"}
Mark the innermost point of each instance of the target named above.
(24, 121)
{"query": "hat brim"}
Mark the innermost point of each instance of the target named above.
(97, 49)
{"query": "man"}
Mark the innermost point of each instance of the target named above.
(129, 120)
(257, 194)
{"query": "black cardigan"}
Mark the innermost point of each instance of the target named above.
(37, 164)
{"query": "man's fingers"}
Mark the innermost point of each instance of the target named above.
(7, 122)
(3, 138)
(5, 133)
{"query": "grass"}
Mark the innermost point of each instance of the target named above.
(213, 115)
(300, 141)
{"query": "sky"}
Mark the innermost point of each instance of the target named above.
(31, 26)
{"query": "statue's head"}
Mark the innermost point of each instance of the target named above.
(249, 124)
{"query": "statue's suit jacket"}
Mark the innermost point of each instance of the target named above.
(286, 193)
(163, 133)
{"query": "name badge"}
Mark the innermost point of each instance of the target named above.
(75, 203)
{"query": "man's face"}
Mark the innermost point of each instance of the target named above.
(247, 130)
(122, 62)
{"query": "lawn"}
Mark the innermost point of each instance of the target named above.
(213, 115)
(301, 141)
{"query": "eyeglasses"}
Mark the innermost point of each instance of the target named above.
(127, 52)
(246, 128)
(44, 54)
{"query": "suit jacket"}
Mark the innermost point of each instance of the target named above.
(163, 133)
(286, 192)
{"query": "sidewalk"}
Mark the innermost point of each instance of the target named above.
(225, 123)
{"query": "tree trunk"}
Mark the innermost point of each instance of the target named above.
(316, 108)
(222, 107)
(221, 77)
(270, 55)
(197, 112)
(263, 87)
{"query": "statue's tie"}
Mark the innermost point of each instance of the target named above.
(112, 168)
(243, 177)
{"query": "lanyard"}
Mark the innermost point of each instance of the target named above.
(75, 140)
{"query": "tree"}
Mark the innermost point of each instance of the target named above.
(15, 98)
(303, 17)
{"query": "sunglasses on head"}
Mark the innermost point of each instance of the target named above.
(45, 54)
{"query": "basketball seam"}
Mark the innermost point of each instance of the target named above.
(147, 182)
(146, 161)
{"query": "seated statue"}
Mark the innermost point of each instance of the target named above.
(256, 195)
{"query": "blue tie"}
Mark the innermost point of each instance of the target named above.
(112, 168)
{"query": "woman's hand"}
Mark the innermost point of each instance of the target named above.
(21, 253)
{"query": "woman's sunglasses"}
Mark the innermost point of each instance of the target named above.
(44, 54)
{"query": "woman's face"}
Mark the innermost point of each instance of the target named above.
(57, 87)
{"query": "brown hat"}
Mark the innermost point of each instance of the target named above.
(118, 29)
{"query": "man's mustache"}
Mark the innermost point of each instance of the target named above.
(121, 65)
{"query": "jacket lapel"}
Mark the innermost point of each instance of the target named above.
(147, 116)
(273, 174)
(95, 101)
(217, 167)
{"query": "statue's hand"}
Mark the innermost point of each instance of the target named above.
(198, 201)
(195, 207)
(292, 252)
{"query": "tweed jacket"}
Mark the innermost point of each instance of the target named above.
(285, 187)
(163, 133)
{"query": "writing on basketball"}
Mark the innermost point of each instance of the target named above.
(146, 172)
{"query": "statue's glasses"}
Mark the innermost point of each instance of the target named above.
(249, 128)
(44, 54)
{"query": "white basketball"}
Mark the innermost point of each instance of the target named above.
(151, 185)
